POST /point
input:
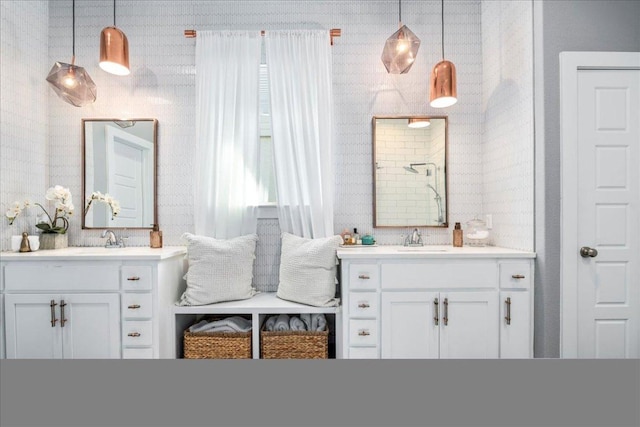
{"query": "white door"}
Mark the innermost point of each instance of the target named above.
(408, 326)
(91, 326)
(469, 325)
(30, 333)
(600, 206)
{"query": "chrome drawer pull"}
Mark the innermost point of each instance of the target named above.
(436, 309)
(517, 276)
(508, 316)
(133, 278)
(133, 306)
(134, 334)
(364, 333)
(62, 319)
(53, 313)
(364, 277)
(363, 305)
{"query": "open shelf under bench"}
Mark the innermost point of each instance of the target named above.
(257, 308)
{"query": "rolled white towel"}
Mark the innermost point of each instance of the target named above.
(270, 323)
(282, 323)
(237, 323)
(306, 318)
(198, 326)
(295, 324)
(318, 322)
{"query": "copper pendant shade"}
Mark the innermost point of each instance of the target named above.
(114, 49)
(400, 49)
(443, 86)
(70, 82)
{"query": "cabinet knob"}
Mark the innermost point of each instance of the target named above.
(517, 276)
(133, 306)
(363, 305)
(364, 332)
(364, 277)
(133, 334)
(133, 278)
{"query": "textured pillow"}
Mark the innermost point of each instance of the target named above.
(308, 270)
(219, 270)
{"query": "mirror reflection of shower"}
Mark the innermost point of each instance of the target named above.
(411, 168)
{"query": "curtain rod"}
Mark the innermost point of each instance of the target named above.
(334, 32)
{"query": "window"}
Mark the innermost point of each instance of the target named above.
(267, 179)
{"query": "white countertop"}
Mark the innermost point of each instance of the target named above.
(430, 251)
(95, 253)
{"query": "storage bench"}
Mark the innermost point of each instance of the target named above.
(258, 308)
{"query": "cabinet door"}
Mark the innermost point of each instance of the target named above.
(515, 333)
(29, 332)
(469, 325)
(91, 329)
(408, 328)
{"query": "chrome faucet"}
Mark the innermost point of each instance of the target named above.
(414, 239)
(112, 241)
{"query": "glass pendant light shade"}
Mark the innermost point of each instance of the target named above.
(72, 84)
(417, 123)
(444, 91)
(400, 51)
(114, 51)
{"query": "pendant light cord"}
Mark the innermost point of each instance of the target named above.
(73, 30)
(442, 14)
(114, 13)
(400, 10)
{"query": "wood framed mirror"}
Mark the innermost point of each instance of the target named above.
(120, 159)
(410, 171)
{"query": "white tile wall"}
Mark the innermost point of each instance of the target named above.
(162, 86)
(507, 141)
(23, 111)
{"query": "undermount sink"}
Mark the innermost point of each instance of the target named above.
(422, 249)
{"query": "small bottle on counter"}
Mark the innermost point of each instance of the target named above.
(355, 238)
(457, 235)
(155, 237)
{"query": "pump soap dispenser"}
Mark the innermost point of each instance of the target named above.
(155, 237)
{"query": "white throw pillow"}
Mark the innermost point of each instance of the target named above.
(219, 270)
(308, 270)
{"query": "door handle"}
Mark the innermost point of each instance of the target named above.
(53, 313)
(435, 307)
(62, 319)
(586, 252)
(445, 318)
(508, 316)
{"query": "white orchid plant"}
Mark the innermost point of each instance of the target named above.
(103, 198)
(63, 201)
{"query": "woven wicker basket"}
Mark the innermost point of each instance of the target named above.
(217, 345)
(294, 344)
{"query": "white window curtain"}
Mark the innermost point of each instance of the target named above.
(227, 135)
(300, 80)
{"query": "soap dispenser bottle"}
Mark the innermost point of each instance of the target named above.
(155, 237)
(457, 236)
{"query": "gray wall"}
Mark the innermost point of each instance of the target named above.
(576, 25)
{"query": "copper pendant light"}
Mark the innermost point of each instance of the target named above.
(70, 82)
(114, 49)
(444, 92)
(418, 122)
(400, 49)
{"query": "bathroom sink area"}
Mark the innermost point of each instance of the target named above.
(422, 249)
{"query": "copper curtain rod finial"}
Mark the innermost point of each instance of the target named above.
(334, 32)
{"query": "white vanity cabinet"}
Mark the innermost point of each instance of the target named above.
(436, 302)
(90, 303)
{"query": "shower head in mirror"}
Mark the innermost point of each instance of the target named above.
(410, 169)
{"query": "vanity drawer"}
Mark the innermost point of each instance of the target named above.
(363, 332)
(137, 353)
(364, 276)
(63, 276)
(136, 277)
(363, 304)
(363, 353)
(136, 306)
(515, 275)
(137, 333)
(438, 274)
